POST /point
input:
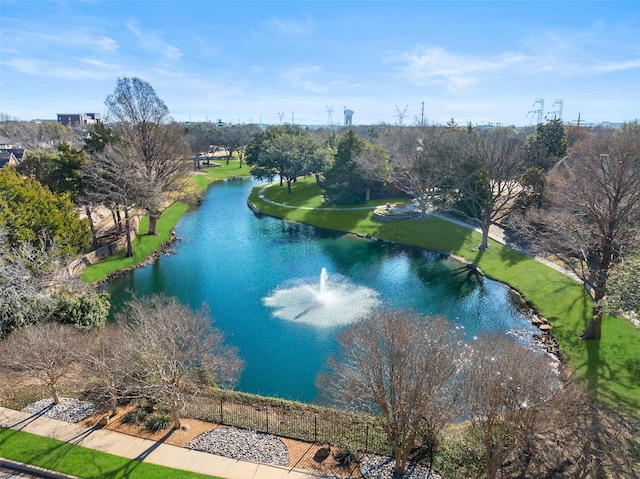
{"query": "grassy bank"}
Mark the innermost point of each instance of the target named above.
(609, 368)
(144, 245)
(79, 461)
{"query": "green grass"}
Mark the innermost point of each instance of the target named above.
(143, 246)
(209, 174)
(79, 461)
(608, 368)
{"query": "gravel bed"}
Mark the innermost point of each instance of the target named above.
(242, 444)
(381, 467)
(68, 409)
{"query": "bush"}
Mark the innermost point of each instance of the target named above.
(346, 455)
(158, 421)
(137, 416)
(20, 309)
(85, 310)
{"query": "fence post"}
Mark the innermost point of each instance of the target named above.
(315, 428)
(267, 409)
(221, 416)
(366, 439)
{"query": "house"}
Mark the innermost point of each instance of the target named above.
(12, 156)
(78, 120)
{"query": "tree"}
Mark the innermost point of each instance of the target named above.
(59, 172)
(30, 212)
(421, 160)
(234, 139)
(141, 120)
(44, 135)
(504, 388)
(46, 351)
(486, 183)
(547, 146)
(400, 367)
(178, 350)
(111, 363)
(593, 208)
(623, 286)
(357, 167)
(114, 177)
(287, 151)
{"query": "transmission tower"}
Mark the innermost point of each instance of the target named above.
(329, 118)
(539, 111)
(401, 114)
(557, 114)
(281, 116)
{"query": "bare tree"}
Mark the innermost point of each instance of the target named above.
(400, 367)
(503, 387)
(46, 351)
(486, 179)
(142, 122)
(421, 160)
(114, 177)
(110, 361)
(178, 350)
(234, 139)
(593, 208)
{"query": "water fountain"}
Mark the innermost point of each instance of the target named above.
(335, 301)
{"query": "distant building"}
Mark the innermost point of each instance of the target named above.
(78, 120)
(348, 117)
(11, 156)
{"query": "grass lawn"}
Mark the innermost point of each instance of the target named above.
(79, 461)
(609, 368)
(209, 174)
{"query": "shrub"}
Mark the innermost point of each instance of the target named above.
(84, 310)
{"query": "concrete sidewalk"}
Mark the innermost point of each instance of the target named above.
(145, 450)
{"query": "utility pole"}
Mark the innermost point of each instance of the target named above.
(422, 115)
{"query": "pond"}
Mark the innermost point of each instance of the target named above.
(281, 291)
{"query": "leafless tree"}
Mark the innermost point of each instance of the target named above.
(486, 180)
(178, 350)
(115, 178)
(421, 160)
(142, 122)
(45, 351)
(110, 362)
(400, 367)
(234, 139)
(504, 389)
(593, 208)
(44, 135)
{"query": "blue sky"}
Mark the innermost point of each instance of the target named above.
(244, 61)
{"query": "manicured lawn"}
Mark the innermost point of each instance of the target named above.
(209, 174)
(609, 368)
(143, 246)
(79, 461)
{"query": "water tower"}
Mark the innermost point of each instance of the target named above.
(348, 117)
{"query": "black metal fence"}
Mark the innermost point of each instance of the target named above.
(281, 418)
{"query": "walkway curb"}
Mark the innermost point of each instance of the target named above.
(145, 450)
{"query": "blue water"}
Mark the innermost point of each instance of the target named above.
(231, 260)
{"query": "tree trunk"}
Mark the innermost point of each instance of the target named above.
(484, 244)
(128, 233)
(94, 237)
(153, 223)
(54, 394)
(175, 411)
(594, 328)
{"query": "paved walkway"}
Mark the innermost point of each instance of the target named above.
(145, 450)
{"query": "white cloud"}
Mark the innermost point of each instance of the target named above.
(152, 40)
(298, 77)
(455, 71)
(289, 27)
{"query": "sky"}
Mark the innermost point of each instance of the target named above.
(305, 62)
